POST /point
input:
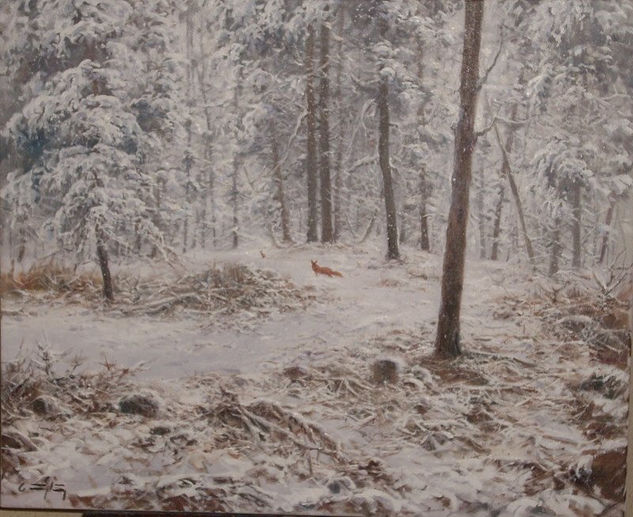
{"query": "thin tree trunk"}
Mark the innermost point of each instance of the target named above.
(201, 71)
(236, 163)
(425, 244)
(496, 230)
(507, 171)
(402, 234)
(102, 255)
(311, 158)
(605, 237)
(188, 123)
(279, 183)
(482, 220)
(576, 200)
(327, 234)
(234, 200)
(556, 248)
(447, 343)
(338, 186)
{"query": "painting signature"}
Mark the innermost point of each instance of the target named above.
(46, 484)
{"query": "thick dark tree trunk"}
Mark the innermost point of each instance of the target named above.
(311, 158)
(327, 233)
(102, 255)
(447, 343)
(280, 196)
(338, 184)
(605, 237)
(576, 200)
(385, 166)
(496, 229)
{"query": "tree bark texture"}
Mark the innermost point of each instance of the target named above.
(311, 158)
(447, 343)
(327, 233)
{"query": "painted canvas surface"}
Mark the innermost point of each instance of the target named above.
(323, 257)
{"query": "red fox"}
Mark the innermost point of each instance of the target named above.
(320, 270)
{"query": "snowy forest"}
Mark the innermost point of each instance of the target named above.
(316, 256)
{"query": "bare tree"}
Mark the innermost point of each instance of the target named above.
(338, 94)
(327, 234)
(383, 157)
(447, 343)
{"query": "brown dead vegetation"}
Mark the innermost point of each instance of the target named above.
(49, 277)
(220, 290)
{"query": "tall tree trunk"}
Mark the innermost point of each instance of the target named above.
(576, 200)
(482, 216)
(201, 71)
(496, 229)
(425, 244)
(279, 183)
(385, 166)
(605, 237)
(507, 172)
(338, 186)
(311, 158)
(447, 343)
(236, 163)
(102, 255)
(327, 234)
(383, 156)
(188, 158)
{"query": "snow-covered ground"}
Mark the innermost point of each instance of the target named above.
(281, 413)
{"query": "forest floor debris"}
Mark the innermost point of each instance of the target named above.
(217, 291)
(532, 418)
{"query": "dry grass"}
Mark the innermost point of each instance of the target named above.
(50, 277)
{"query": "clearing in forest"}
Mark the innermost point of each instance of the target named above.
(248, 383)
